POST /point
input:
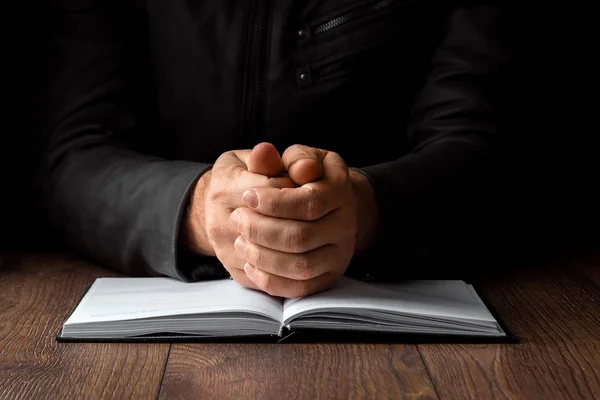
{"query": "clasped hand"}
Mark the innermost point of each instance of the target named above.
(297, 241)
(284, 225)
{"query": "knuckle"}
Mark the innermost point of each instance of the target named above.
(297, 238)
(215, 230)
(214, 194)
(336, 156)
(303, 289)
(303, 267)
(266, 284)
(247, 225)
(271, 206)
(296, 148)
(251, 229)
(254, 255)
(226, 155)
(311, 207)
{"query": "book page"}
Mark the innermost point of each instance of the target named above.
(435, 299)
(451, 290)
(118, 299)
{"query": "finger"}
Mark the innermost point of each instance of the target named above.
(289, 288)
(309, 202)
(335, 169)
(227, 189)
(237, 162)
(264, 159)
(306, 203)
(301, 266)
(239, 275)
(232, 197)
(278, 182)
(245, 180)
(236, 157)
(305, 170)
(303, 164)
(289, 235)
(232, 260)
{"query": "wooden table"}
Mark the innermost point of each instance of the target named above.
(554, 309)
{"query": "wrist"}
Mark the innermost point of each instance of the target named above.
(367, 218)
(194, 235)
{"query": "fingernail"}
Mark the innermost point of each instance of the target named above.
(240, 244)
(235, 216)
(249, 270)
(250, 199)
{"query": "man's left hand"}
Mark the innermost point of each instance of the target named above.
(299, 241)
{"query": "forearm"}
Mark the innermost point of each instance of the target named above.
(119, 207)
(432, 200)
(193, 226)
(104, 192)
(367, 218)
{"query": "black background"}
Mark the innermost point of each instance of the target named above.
(548, 197)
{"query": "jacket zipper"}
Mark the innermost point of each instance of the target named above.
(352, 15)
(253, 122)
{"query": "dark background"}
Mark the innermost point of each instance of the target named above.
(22, 225)
(546, 199)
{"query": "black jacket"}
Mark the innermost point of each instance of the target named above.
(142, 96)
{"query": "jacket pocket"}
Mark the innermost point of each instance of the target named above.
(363, 41)
(361, 61)
(332, 26)
(355, 16)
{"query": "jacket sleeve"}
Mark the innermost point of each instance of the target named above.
(114, 200)
(432, 201)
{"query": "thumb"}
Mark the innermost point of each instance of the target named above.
(265, 160)
(303, 164)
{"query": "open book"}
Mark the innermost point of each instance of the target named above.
(120, 308)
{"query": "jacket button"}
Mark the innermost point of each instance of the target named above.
(303, 77)
(302, 34)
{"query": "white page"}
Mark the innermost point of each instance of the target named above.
(451, 290)
(410, 298)
(118, 299)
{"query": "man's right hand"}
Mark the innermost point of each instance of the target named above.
(207, 229)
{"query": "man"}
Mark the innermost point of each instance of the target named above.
(386, 114)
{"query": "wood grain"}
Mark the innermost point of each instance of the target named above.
(284, 371)
(37, 293)
(554, 310)
(556, 315)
